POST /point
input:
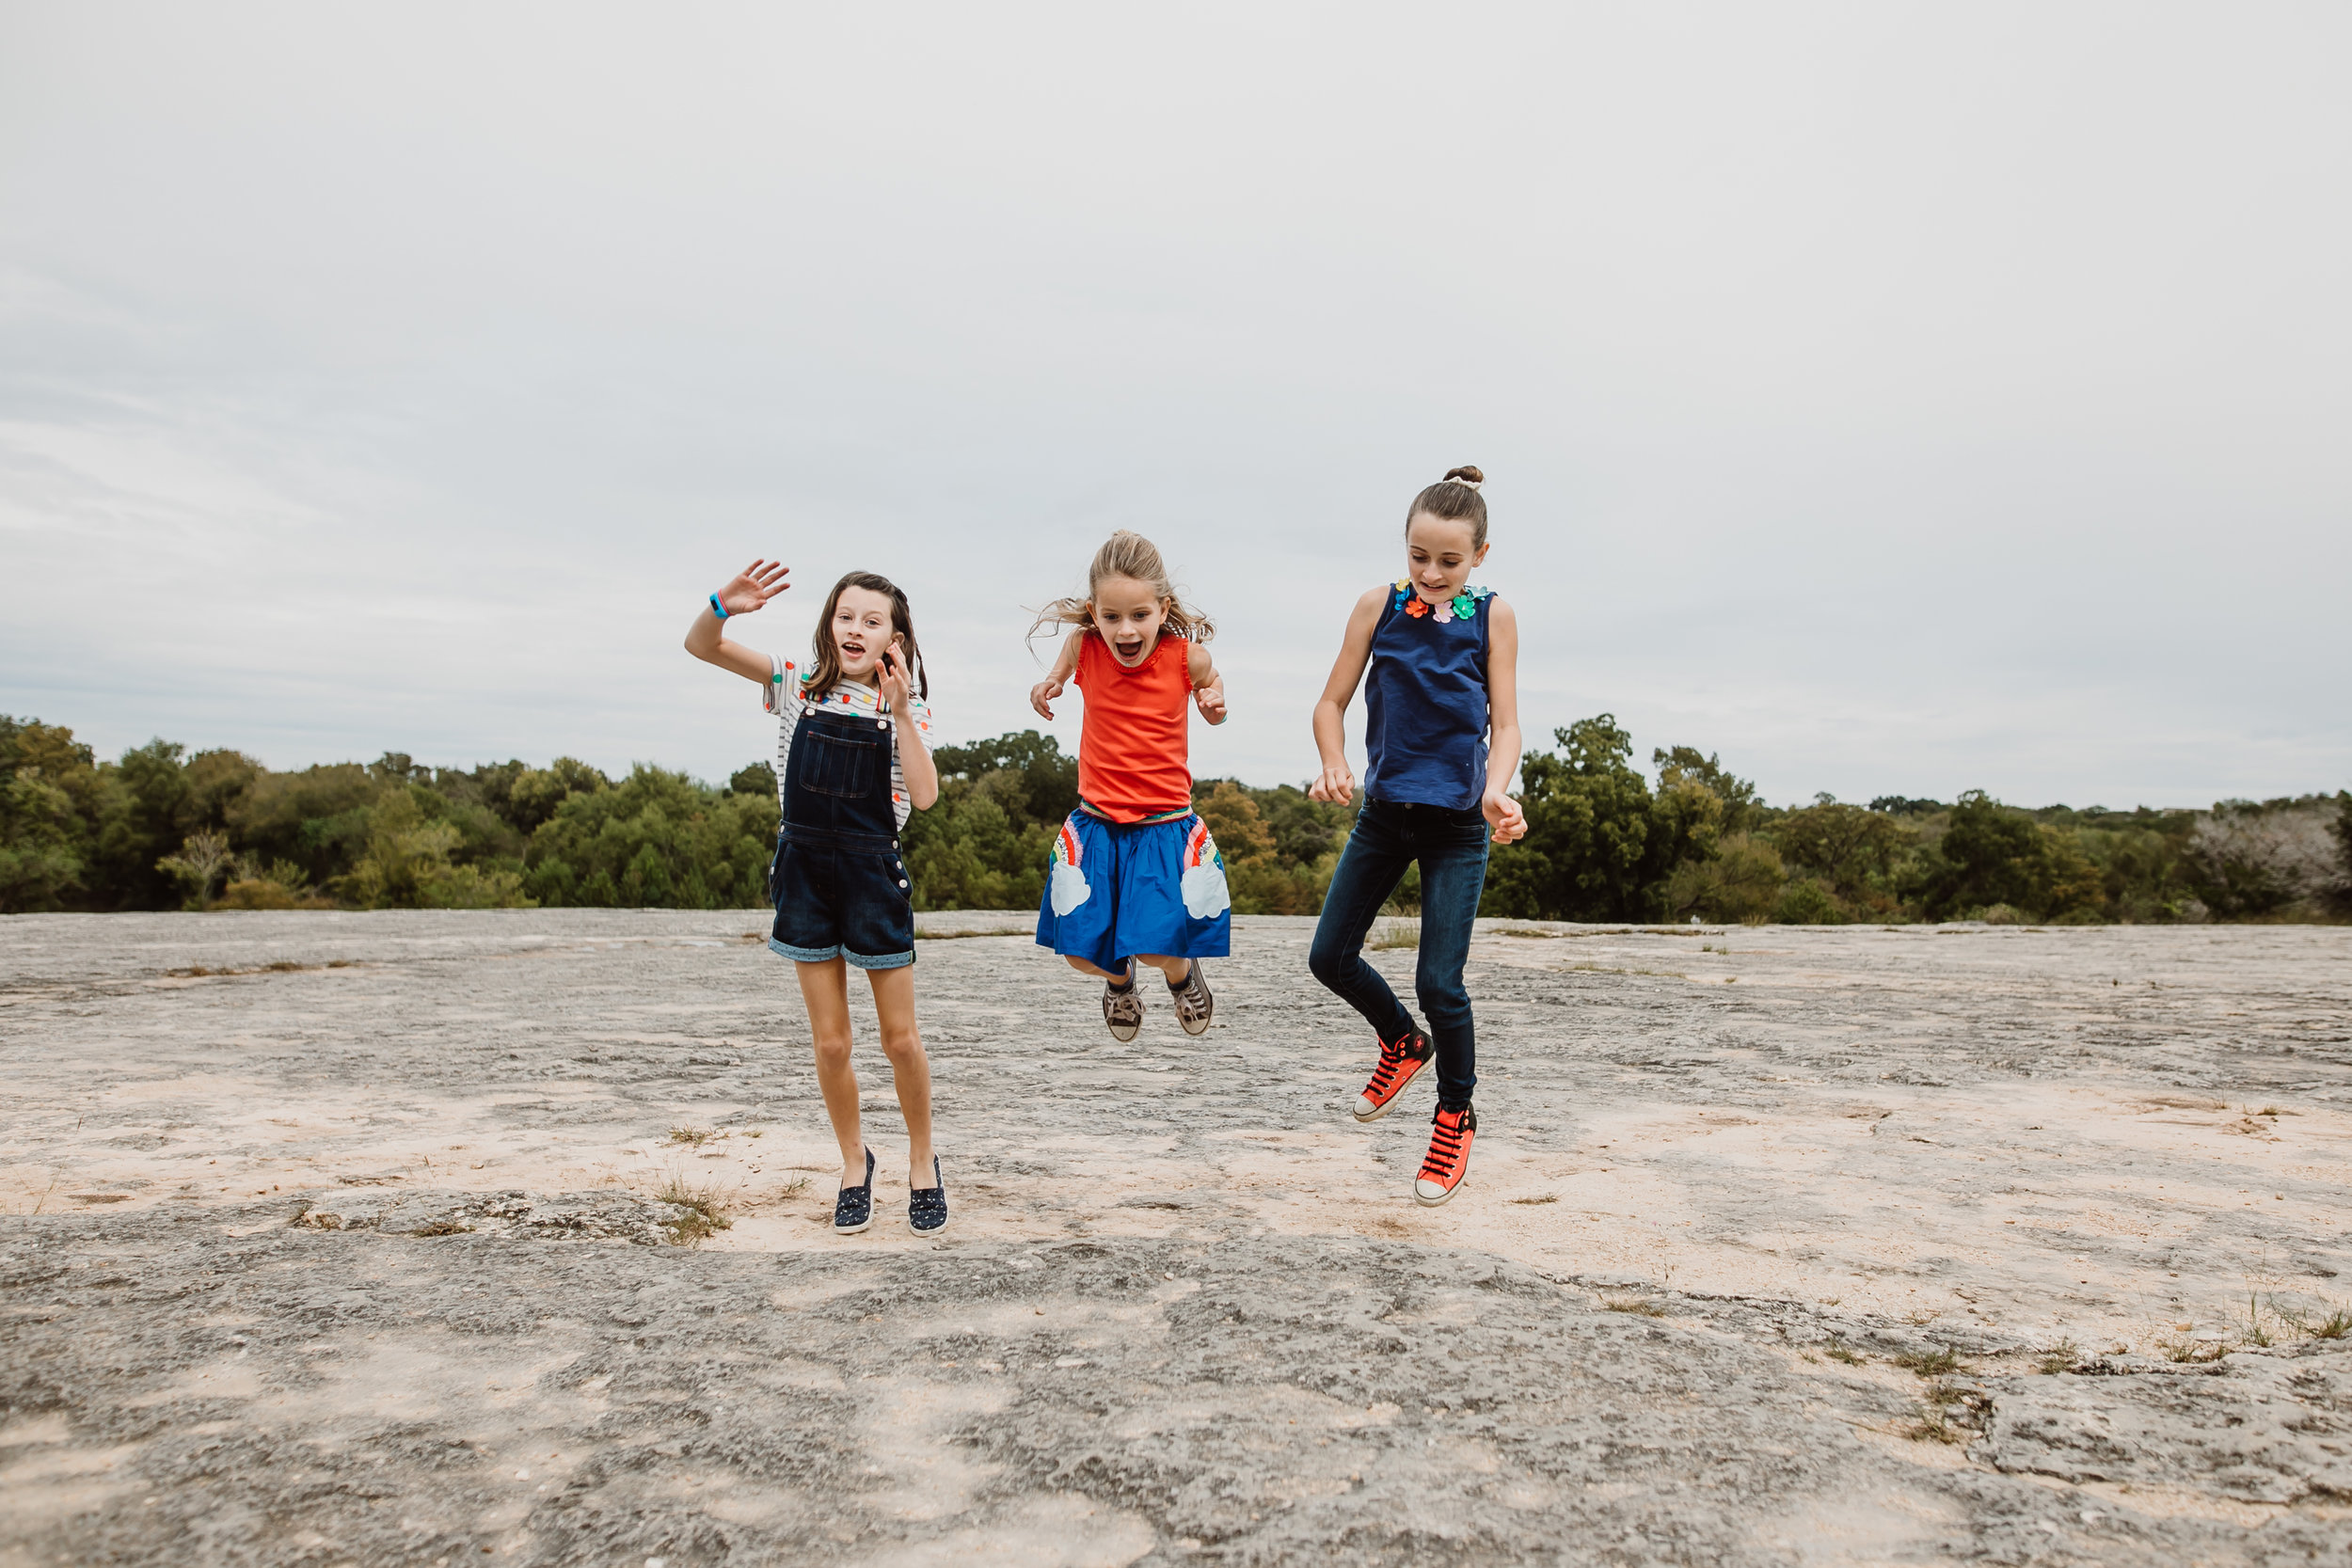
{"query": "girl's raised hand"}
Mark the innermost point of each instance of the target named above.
(892, 676)
(1504, 816)
(754, 586)
(1212, 701)
(1043, 692)
(1335, 784)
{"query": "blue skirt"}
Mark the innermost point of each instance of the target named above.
(1116, 889)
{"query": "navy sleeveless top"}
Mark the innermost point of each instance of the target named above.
(1425, 701)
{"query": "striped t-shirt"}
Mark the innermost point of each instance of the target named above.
(786, 701)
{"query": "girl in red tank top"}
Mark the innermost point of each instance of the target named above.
(1134, 874)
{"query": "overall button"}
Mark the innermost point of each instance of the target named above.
(881, 723)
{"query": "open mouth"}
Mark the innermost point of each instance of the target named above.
(1128, 652)
(853, 649)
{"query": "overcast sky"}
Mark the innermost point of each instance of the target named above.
(1896, 399)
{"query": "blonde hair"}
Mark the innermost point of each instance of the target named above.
(1128, 555)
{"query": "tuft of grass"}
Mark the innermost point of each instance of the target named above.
(2335, 1325)
(2254, 1332)
(1395, 933)
(1934, 1426)
(689, 1135)
(1939, 1361)
(2192, 1352)
(706, 1209)
(1546, 1198)
(1635, 1305)
(1540, 936)
(793, 1188)
(2064, 1356)
(1837, 1350)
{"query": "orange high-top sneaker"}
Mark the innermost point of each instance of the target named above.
(1441, 1174)
(1401, 1062)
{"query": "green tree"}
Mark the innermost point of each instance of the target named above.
(1743, 880)
(656, 839)
(318, 820)
(46, 784)
(1588, 829)
(1990, 855)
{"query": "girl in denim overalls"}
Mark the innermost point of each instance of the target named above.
(1443, 738)
(852, 756)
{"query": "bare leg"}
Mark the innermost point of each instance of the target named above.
(825, 991)
(910, 1069)
(1175, 969)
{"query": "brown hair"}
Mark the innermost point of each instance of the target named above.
(824, 670)
(1454, 498)
(1128, 555)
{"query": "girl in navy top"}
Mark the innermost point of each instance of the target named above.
(1441, 739)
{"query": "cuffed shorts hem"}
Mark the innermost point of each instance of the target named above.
(888, 961)
(804, 954)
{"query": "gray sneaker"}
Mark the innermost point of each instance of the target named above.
(1195, 1006)
(1124, 1009)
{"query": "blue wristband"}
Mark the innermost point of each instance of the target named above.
(717, 608)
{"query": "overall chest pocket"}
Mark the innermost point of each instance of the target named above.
(835, 764)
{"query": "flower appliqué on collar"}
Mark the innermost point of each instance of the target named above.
(1460, 608)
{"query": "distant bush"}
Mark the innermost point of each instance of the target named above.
(2254, 861)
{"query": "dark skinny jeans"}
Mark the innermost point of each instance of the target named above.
(1452, 848)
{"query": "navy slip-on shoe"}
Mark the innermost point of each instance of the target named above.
(927, 1207)
(854, 1210)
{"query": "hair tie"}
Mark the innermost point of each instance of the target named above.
(1465, 483)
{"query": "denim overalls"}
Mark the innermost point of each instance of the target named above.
(839, 882)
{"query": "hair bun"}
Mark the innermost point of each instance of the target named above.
(1463, 475)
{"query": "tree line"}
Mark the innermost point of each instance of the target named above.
(161, 829)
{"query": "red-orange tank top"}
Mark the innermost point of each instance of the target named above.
(1132, 752)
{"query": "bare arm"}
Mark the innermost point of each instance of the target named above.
(1503, 706)
(914, 758)
(1336, 783)
(1208, 686)
(1050, 688)
(751, 588)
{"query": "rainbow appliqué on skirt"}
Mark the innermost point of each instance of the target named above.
(1065, 884)
(1204, 889)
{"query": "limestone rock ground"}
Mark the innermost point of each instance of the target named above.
(338, 1238)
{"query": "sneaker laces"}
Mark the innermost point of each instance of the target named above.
(1445, 1146)
(1393, 1060)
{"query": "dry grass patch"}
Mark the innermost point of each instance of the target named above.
(705, 1208)
(2064, 1356)
(1936, 1361)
